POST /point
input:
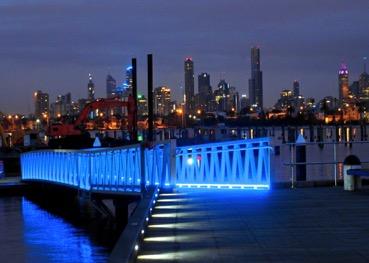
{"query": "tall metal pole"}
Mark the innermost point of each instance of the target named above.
(134, 94)
(150, 97)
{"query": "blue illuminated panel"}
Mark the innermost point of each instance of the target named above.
(241, 164)
(226, 186)
(116, 169)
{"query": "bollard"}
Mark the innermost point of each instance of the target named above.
(300, 158)
(349, 181)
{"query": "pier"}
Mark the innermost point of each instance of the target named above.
(208, 202)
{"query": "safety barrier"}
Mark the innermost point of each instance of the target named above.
(111, 169)
(231, 164)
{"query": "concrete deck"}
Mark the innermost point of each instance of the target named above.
(282, 225)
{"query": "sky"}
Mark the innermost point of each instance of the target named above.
(52, 45)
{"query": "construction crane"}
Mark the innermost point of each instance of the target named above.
(57, 130)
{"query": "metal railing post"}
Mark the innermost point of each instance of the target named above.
(143, 168)
(172, 162)
(335, 163)
(292, 164)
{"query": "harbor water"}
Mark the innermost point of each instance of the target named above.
(29, 233)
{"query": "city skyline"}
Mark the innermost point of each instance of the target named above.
(57, 56)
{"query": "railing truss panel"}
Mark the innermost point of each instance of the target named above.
(239, 164)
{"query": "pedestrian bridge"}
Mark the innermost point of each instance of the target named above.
(241, 164)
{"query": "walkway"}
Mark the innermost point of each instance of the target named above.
(282, 225)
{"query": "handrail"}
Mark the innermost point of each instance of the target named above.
(87, 150)
(292, 163)
(132, 168)
(315, 163)
(226, 143)
(334, 142)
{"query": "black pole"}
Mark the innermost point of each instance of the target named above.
(150, 97)
(134, 94)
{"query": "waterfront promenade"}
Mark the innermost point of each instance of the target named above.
(322, 224)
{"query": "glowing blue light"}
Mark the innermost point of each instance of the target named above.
(219, 165)
(50, 238)
(228, 164)
(226, 186)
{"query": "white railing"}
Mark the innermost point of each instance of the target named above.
(230, 164)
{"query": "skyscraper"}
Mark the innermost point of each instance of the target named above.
(125, 89)
(162, 101)
(90, 89)
(343, 82)
(256, 80)
(189, 85)
(296, 88)
(41, 103)
(111, 86)
(129, 81)
(62, 106)
(142, 110)
(364, 82)
(205, 91)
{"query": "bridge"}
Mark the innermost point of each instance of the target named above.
(161, 175)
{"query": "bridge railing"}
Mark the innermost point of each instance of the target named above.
(158, 163)
(231, 164)
(112, 169)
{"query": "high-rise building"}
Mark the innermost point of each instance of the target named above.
(189, 86)
(90, 89)
(296, 88)
(205, 92)
(223, 96)
(343, 82)
(256, 80)
(111, 85)
(162, 101)
(41, 103)
(355, 88)
(233, 100)
(364, 82)
(142, 110)
(244, 102)
(129, 81)
(62, 106)
(125, 89)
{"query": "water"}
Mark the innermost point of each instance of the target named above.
(30, 234)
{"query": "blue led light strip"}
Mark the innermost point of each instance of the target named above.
(226, 186)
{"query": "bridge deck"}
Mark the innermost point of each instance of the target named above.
(300, 225)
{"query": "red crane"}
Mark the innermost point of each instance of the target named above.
(76, 128)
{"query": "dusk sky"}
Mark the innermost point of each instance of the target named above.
(52, 45)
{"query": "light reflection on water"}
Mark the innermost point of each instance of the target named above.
(30, 234)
